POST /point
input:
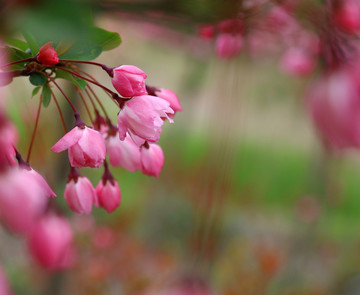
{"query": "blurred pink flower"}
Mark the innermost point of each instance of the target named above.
(47, 55)
(206, 31)
(46, 190)
(228, 45)
(297, 62)
(8, 139)
(86, 147)
(172, 98)
(347, 16)
(142, 116)
(22, 199)
(124, 153)
(50, 242)
(334, 103)
(129, 81)
(152, 159)
(108, 194)
(80, 194)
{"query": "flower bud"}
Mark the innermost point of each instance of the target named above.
(86, 147)
(79, 193)
(129, 81)
(108, 194)
(47, 55)
(152, 159)
(171, 97)
(50, 242)
(228, 45)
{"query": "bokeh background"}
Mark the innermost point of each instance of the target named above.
(248, 201)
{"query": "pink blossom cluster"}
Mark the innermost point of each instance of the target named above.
(26, 205)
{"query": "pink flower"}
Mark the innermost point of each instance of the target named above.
(108, 194)
(152, 159)
(47, 55)
(334, 103)
(46, 190)
(79, 193)
(123, 153)
(142, 116)
(8, 139)
(297, 62)
(228, 45)
(206, 31)
(4, 285)
(50, 242)
(129, 81)
(22, 199)
(86, 147)
(347, 16)
(172, 98)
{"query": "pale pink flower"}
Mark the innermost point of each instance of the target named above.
(297, 62)
(47, 55)
(142, 116)
(347, 16)
(22, 199)
(172, 98)
(124, 153)
(108, 194)
(47, 191)
(152, 159)
(4, 285)
(8, 139)
(129, 81)
(228, 45)
(334, 103)
(86, 147)
(80, 194)
(50, 242)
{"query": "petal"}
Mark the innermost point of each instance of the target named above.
(68, 140)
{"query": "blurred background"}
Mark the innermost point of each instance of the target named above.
(249, 201)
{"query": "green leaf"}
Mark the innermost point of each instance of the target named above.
(107, 40)
(37, 79)
(33, 45)
(83, 50)
(46, 95)
(35, 90)
(22, 45)
(75, 80)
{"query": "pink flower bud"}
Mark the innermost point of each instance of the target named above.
(172, 98)
(4, 285)
(50, 242)
(297, 62)
(152, 159)
(206, 31)
(108, 194)
(8, 139)
(86, 147)
(142, 116)
(47, 55)
(228, 45)
(80, 195)
(347, 16)
(334, 103)
(123, 153)
(22, 199)
(129, 81)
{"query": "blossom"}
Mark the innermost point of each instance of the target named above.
(22, 199)
(334, 104)
(79, 193)
(123, 153)
(50, 242)
(347, 16)
(108, 194)
(228, 45)
(8, 139)
(47, 55)
(152, 159)
(45, 188)
(172, 98)
(86, 147)
(296, 61)
(142, 116)
(129, 81)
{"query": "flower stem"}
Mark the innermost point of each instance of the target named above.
(34, 131)
(104, 67)
(29, 59)
(59, 110)
(85, 104)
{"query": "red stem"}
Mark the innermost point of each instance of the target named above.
(59, 110)
(104, 67)
(35, 129)
(19, 61)
(85, 104)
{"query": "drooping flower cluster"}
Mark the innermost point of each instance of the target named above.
(26, 207)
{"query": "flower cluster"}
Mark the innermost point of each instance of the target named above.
(25, 206)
